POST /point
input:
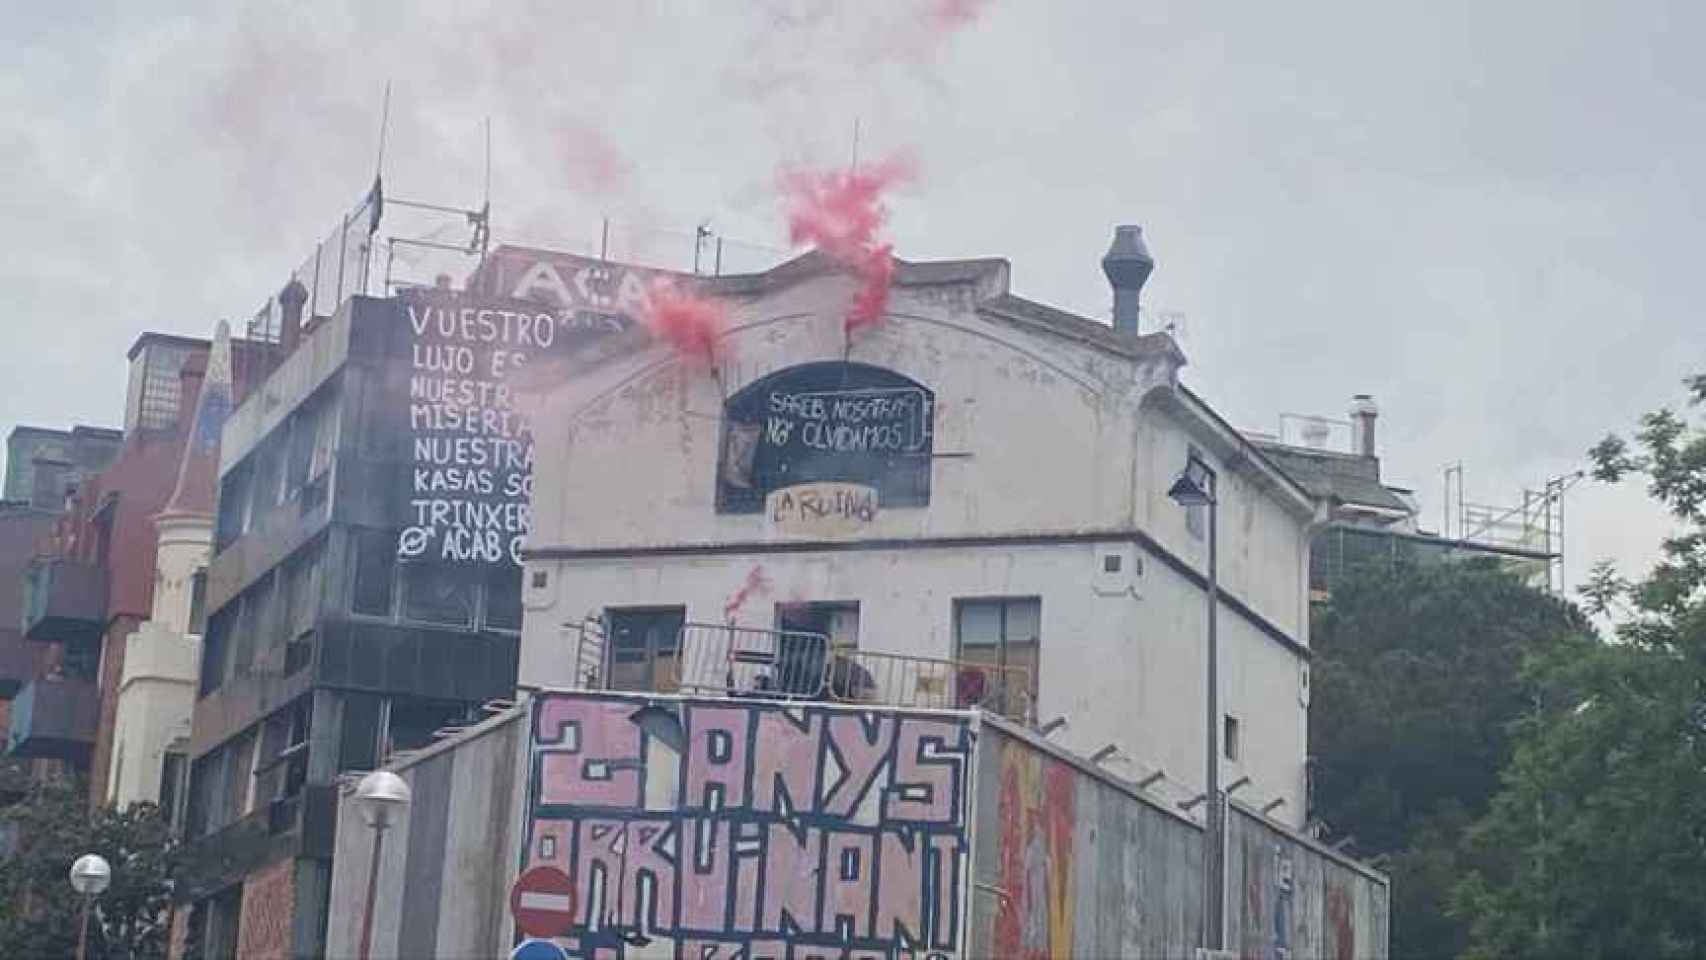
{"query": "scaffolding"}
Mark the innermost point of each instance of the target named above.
(1534, 525)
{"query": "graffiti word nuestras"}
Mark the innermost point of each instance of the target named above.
(754, 830)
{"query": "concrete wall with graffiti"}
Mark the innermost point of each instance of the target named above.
(639, 825)
(1287, 899)
(1071, 862)
(720, 828)
(445, 867)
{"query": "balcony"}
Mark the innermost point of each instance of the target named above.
(15, 780)
(54, 718)
(65, 601)
(17, 662)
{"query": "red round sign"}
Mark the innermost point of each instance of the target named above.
(543, 902)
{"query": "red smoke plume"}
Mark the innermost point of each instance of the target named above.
(686, 321)
(756, 582)
(841, 213)
(956, 13)
(592, 159)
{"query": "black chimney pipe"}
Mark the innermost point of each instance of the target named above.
(1128, 266)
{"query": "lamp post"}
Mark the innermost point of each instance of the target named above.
(382, 797)
(90, 876)
(1195, 487)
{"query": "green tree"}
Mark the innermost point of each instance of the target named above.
(1417, 678)
(38, 910)
(1596, 845)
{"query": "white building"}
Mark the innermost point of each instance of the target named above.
(979, 478)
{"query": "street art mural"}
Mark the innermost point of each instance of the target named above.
(1038, 802)
(727, 830)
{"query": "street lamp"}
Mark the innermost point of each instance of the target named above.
(90, 876)
(382, 797)
(1195, 487)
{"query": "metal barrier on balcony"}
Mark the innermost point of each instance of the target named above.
(65, 600)
(933, 683)
(54, 718)
(17, 661)
(726, 660)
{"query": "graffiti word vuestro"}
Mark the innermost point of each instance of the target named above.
(753, 831)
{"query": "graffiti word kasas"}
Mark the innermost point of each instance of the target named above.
(754, 830)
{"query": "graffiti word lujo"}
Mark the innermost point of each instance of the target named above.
(753, 831)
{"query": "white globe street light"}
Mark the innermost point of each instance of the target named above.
(382, 797)
(90, 877)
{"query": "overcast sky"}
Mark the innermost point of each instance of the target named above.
(1483, 214)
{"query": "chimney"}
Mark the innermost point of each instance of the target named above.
(290, 301)
(1363, 413)
(1127, 265)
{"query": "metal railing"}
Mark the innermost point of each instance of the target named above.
(588, 639)
(727, 660)
(935, 683)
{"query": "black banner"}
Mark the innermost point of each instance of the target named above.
(830, 421)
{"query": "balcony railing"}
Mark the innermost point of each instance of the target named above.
(745, 662)
(64, 601)
(17, 662)
(54, 718)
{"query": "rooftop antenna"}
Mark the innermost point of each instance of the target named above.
(384, 125)
(854, 166)
(488, 191)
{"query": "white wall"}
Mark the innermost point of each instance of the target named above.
(1061, 447)
(162, 665)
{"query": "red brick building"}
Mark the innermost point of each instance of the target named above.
(87, 575)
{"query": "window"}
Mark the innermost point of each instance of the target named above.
(503, 597)
(213, 926)
(155, 387)
(233, 505)
(216, 647)
(410, 723)
(375, 562)
(256, 628)
(358, 744)
(174, 774)
(439, 594)
(1229, 744)
(998, 639)
(303, 592)
(644, 646)
(198, 602)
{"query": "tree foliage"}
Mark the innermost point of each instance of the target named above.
(1417, 678)
(39, 912)
(1596, 845)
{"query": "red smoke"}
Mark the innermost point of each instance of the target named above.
(841, 213)
(756, 582)
(956, 13)
(687, 321)
(592, 159)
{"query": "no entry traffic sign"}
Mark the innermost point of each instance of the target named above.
(538, 950)
(543, 902)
